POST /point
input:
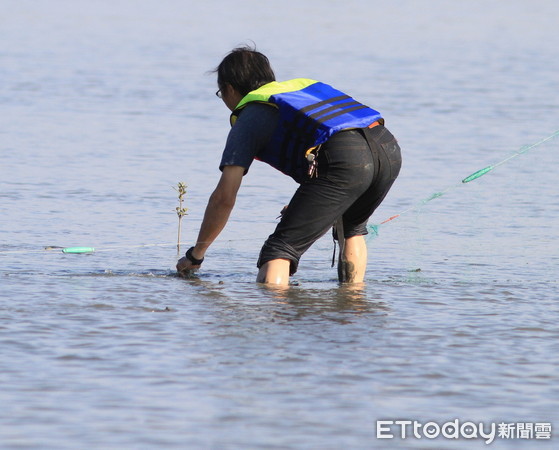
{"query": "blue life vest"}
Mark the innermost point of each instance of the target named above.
(310, 112)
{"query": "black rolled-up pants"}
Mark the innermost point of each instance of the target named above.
(356, 169)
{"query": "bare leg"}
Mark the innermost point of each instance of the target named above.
(354, 259)
(274, 272)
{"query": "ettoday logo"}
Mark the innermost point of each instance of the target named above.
(431, 430)
(404, 429)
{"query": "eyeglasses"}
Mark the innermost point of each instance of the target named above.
(218, 93)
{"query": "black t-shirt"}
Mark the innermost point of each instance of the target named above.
(250, 135)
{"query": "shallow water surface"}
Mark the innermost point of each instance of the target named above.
(106, 106)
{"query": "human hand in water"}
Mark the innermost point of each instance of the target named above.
(188, 263)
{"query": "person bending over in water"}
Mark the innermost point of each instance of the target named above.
(336, 148)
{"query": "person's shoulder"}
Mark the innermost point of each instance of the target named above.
(258, 107)
(258, 113)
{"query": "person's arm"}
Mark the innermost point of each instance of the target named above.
(217, 213)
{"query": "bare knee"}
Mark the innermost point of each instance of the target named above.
(275, 271)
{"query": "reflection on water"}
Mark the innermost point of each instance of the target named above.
(338, 303)
(106, 106)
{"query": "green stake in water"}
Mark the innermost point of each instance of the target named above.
(78, 250)
(478, 174)
(433, 196)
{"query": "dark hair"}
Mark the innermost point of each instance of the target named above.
(245, 69)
